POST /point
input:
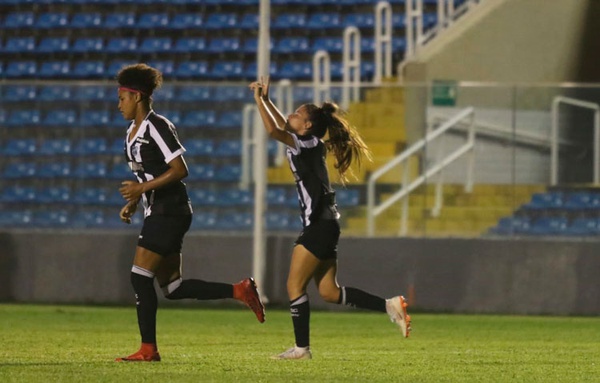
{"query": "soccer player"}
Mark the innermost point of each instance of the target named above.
(315, 251)
(155, 156)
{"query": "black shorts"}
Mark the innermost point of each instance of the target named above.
(163, 234)
(321, 238)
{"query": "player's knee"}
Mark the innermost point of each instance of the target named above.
(330, 295)
(169, 289)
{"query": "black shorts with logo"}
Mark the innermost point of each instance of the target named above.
(163, 234)
(321, 238)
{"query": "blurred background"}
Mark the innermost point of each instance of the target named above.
(483, 117)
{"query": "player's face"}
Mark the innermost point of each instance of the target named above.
(298, 122)
(127, 104)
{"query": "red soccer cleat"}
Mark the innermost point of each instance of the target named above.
(147, 353)
(247, 292)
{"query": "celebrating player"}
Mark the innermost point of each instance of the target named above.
(155, 155)
(315, 250)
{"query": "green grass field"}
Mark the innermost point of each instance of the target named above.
(79, 344)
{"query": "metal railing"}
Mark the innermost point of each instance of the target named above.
(407, 186)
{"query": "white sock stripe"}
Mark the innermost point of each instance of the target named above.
(343, 295)
(168, 289)
(299, 301)
(141, 271)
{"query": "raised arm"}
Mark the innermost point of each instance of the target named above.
(272, 118)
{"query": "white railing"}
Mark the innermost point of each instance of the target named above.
(407, 186)
(383, 41)
(554, 149)
(321, 76)
(351, 66)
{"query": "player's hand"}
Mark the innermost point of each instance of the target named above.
(131, 190)
(128, 211)
(257, 88)
(266, 82)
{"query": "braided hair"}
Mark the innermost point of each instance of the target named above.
(344, 140)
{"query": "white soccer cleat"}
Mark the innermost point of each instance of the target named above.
(295, 353)
(396, 309)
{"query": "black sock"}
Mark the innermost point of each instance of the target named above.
(146, 305)
(300, 311)
(357, 298)
(201, 290)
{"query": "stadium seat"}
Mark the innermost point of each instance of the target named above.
(85, 20)
(548, 226)
(228, 173)
(87, 45)
(201, 172)
(155, 45)
(17, 194)
(204, 221)
(583, 226)
(234, 221)
(250, 71)
(88, 69)
(324, 20)
(19, 45)
(51, 93)
(194, 93)
(119, 20)
(90, 169)
(276, 196)
(296, 70)
(199, 147)
(23, 118)
(172, 115)
(367, 45)
(191, 69)
(120, 171)
(20, 69)
(221, 21)
(289, 21)
(115, 66)
(232, 93)
(226, 70)
(153, 21)
(95, 118)
(166, 67)
(186, 21)
(288, 45)
(17, 93)
(114, 198)
(347, 197)
(549, 200)
(277, 221)
(60, 118)
(54, 194)
(582, 201)
(54, 69)
(359, 20)
(202, 197)
(190, 45)
(19, 147)
(511, 226)
(229, 120)
(117, 147)
(250, 21)
(329, 44)
(234, 197)
(121, 45)
(50, 20)
(15, 218)
(228, 148)
(54, 170)
(53, 45)
(18, 170)
(89, 196)
(87, 219)
(223, 44)
(90, 146)
(56, 146)
(19, 20)
(199, 119)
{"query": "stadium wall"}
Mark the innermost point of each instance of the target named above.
(500, 276)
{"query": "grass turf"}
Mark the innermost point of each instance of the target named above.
(79, 344)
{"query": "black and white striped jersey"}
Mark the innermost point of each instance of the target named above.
(307, 162)
(149, 152)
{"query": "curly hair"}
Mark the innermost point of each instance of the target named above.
(344, 140)
(140, 77)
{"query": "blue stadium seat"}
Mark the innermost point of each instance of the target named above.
(53, 170)
(229, 120)
(232, 93)
(18, 194)
(155, 45)
(51, 218)
(87, 45)
(296, 70)
(19, 93)
(20, 69)
(97, 118)
(119, 20)
(53, 45)
(186, 21)
(250, 21)
(54, 194)
(19, 45)
(228, 173)
(276, 196)
(549, 226)
(289, 21)
(153, 20)
(202, 197)
(228, 148)
(60, 118)
(367, 45)
(294, 44)
(192, 69)
(359, 20)
(398, 20)
(91, 146)
(251, 71)
(511, 226)
(115, 66)
(117, 147)
(223, 44)
(19, 20)
(199, 147)
(199, 119)
(85, 20)
(226, 70)
(201, 172)
(172, 115)
(234, 197)
(277, 221)
(549, 200)
(50, 20)
(235, 221)
(581, 201)
(329, 44)
(167, 68)
(303, 94)
(55, 69)
(324, 20)
(89, 196)
(90, 169)
(399, 44)
(23, 118)
(114, 198)
(87, 219)
(88, 69)
(56, 146)
(17, 170)
(122, 45)
(15, 218)
(190, 45)
(55, 93)
(221, 21)
(583, 226)
(204, 221)
(19, 147)
(347, 197)
(120, 171)
(194, 93)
